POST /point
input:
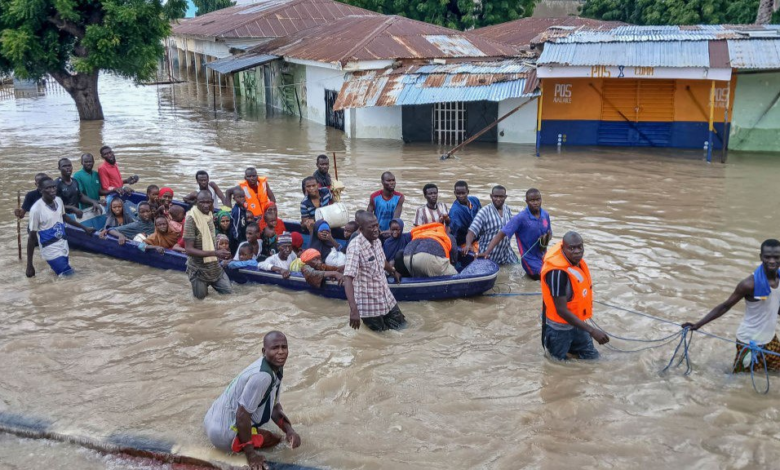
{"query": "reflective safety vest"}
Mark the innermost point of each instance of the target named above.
(256, 202)
(581, 303)
(435, 231)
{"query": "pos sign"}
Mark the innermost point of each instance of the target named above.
(562, 93)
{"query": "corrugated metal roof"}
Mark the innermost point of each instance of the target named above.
(268, 19)
(358, 38)
(240, 62)
(632, 33)
(638, 54)
(426, 84)
(755, 54)
(523, 32)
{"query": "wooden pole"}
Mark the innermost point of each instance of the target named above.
(476, 136)
(335, 166)
(539, 120)
(712, 125)
(19, 223)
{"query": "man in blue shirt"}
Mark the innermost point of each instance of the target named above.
(533, 231)
(462, 213)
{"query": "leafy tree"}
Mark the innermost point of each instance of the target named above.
(455, 14)
(74, 40)
(207, 6)
(673, 12)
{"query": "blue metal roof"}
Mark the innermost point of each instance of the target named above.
(634, 33)
(635, 54)
(755, 54)
(240, 62)
(414, 92)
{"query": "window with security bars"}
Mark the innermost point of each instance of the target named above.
(449, 123)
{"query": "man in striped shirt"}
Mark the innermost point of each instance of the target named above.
(486, 225)
(433, 210)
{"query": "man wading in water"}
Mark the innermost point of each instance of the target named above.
(567, 293)
(251, 400)
(368, 293)
(761, 293)
(203, 257)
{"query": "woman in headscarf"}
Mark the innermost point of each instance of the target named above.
(222, 222)
(316, 272)
(166, 199)
(397, 241)
(163, 237)
(322, 240)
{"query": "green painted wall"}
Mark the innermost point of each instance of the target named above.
(288, 87)
(754, 126)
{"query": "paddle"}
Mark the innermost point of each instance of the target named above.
(335, 166)
(19, 223)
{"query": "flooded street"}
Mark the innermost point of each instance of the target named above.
(124, 347)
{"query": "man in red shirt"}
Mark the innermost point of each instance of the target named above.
(110, 177)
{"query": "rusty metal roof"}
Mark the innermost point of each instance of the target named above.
(523, 33)
(425, 84)
(357, 38)
(267, 19)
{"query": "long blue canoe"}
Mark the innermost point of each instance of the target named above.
(475, 279)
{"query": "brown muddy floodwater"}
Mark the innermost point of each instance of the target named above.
(123, 347)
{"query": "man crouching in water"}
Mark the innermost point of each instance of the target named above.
(251, 400)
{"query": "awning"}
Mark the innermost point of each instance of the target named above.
(428, 84)
(241, 62)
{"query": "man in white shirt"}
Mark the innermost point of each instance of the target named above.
(47, 224)
(249, 401)
(281, 261)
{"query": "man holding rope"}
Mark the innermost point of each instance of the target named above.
(761, 292)
(567, 292)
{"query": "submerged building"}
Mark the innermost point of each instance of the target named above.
(391, 77)
(658, 86)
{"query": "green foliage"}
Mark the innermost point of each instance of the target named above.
(207, 6)
(673, 12)
(39, 37)
(455, 14)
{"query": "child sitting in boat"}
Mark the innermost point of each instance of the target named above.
(117, 216)
(239, 219)
(316, 272)
(252, 240)
(270, 242)
(245, 259)
(176, 216)
(281, 261)
(163, 237)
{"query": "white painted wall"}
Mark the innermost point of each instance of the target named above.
(378, 123)
(319, 79)
(519, 128)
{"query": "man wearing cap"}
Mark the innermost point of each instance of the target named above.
(233, 423)
(281, 261)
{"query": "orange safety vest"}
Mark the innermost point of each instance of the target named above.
(256, 202)
(436, 231)
(581, 303)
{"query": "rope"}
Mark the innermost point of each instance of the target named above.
(683, 346)
(686, 338)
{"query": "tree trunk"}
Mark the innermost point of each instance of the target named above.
(83, 88)
(765, 10)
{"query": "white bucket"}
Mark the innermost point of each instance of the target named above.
(336, 215)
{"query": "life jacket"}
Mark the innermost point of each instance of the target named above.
(435, 231)
(256, 202)
(581, 303)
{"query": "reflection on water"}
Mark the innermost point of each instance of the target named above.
(122, 346)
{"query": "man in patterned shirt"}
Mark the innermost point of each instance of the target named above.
(432, 210)
(486, 225)
(365, 283)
